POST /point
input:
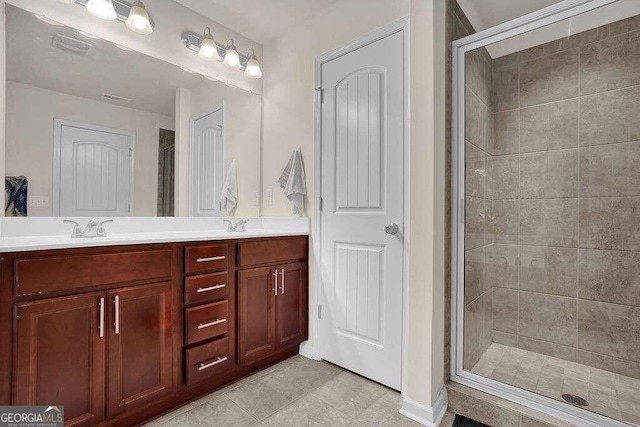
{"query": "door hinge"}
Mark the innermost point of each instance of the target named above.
(321, 203)
(319, 311)
(320, 94)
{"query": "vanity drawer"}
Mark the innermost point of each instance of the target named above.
(39, 275)
(205, 258)
(206, 321)
(205, 288)
(207, 360)
(271, 251)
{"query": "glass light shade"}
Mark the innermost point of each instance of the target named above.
(103, 9)
(208, 49)
(138, 20)
(253, 70)
(231, 57)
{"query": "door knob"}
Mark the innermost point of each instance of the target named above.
(391, 228)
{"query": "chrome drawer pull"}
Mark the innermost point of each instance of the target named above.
(209, 324)
(214, 363)
(210, 288)
(213, 258)
(101, 325)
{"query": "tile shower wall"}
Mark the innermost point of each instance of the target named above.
(553, 199)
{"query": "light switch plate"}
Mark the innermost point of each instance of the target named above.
(268, 196)
(38, 201)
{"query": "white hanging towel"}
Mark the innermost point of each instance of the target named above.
(293, 182)
(229, 196)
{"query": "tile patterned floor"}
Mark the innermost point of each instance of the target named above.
(609, 394)
(296, 392)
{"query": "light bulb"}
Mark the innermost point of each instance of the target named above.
(103, 9)
(253, 70)
(231, 57)
(138, 20)
(208, 49)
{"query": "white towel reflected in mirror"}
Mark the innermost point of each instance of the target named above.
(229, 196)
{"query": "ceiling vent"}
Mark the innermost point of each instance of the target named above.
(70, 44)
(115, 98)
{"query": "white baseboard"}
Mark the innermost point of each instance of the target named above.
(430, 416)
(306, 350)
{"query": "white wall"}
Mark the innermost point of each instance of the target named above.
(29, 136)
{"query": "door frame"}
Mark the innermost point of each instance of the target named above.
(192, 122)
(535, 20)
(57, 158)
(317, 296)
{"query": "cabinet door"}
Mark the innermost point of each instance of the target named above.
(291, 304)
(140, 347)
(59, 356)
(256, 314)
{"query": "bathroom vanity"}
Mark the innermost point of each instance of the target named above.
(121, 334)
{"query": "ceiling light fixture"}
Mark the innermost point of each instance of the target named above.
(231, 56)
(49, 21)
(208, 49)
(252, 69)
(138, 20)
(91, 36)
(102, 9)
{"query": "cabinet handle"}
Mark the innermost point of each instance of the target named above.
(213, 258)
(210, 288)
(209, 324)
(116, 323)
(282, 284)
(204, 366)
(101, 325)
(275, 287)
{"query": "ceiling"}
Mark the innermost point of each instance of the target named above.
(259, 20)
(32, 59)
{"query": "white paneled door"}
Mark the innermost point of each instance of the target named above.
(94, 168)
(362, 210)
(207, 163)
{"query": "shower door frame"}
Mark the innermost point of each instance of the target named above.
(564, 411)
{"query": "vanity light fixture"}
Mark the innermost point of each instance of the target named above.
(138, 20)
(208, 49)
(102, 9)
(231, 57)
(252, 70)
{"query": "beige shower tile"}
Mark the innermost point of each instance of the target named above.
(610, 170)
(548, 317)
(504, 179)
(475, 273)
(476, 168)
(478, 120)
(610, 117)
(610, 223)
(504, 221)
(576, 40)
(506, 133)
(505, 88)
(549, 270)
(502, 266)
(550, 78)
(610, 64)
(504, 338)
(549, 222)
(609, 329)
(548, 348)
(549, 126)
(624, 26)
(505, 310)
(549, 174)
(610, 276)
(477, 213)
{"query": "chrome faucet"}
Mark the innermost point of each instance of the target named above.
(237, 227)
(94, 228)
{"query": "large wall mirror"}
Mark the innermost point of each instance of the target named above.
(91, 131)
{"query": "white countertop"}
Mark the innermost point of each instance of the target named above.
(30, 234)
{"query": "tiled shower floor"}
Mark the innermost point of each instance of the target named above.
(609, 394)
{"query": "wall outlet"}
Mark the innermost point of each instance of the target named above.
(256, 198)
(268, 197)
(38, 201)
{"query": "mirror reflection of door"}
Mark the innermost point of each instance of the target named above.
(207, 162)
(166, 172)
(94, 170)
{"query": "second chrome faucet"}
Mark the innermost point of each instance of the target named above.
(94, 228)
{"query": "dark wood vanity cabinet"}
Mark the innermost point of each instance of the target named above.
(119, 335)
